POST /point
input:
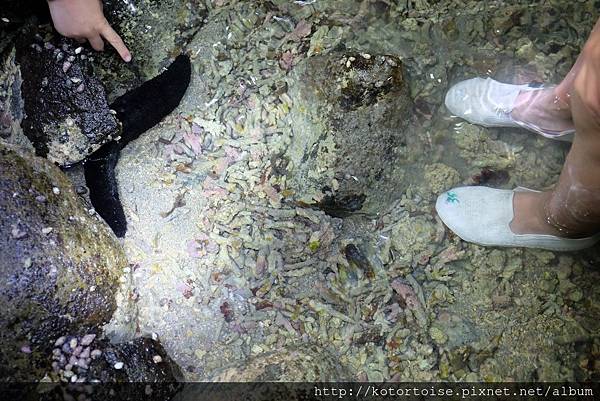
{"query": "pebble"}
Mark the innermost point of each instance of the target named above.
(80, 88)
(68, 373)
(40, 198)
(82, 363)
(118, 365)
(56, 191)
(26, 349)
(47, 230)
(95, 353)
(73, 343)
(78, 50)
(59, 341)
(18, 233)
(87, 339)
(85, 353)
(77, 350)
(73, 360)
(66, 66)
(157, 359)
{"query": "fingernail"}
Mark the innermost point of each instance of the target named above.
(128, 58)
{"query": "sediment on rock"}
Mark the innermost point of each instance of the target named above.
(349, 116)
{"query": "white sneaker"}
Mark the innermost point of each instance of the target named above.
(489, 103)
(482, 215)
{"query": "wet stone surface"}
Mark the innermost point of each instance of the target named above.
(67, 114)
(155, 32)
(59, 265)
(349, 115)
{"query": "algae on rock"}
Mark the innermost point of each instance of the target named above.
(59, 264)
(349, 117)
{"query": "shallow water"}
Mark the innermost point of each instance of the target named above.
(236, 274)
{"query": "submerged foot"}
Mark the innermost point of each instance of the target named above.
(491, 103)
(542, 108)
(529, 214)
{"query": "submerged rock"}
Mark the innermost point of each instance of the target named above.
(154, 31)
(59, 265)
(67, 114)
(11, 103)
(349, 114)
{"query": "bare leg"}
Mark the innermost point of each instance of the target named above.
(572, 209)
(550, 109)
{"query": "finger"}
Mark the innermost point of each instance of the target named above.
(115, 40)
(96, 42)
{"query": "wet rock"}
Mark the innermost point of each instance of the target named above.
(59, 266)
(139, 360)
(413, 238)
(440, 177)
(154, 31)
(11, 103)
(67, 114)
(480, 150)
(349, 116)
(297, 363)
(142, 363)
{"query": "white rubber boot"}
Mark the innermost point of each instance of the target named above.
(483, 215)
(489, 103)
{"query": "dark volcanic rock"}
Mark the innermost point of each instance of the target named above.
(143, 360)
(59, 266)
(91, 360)
(349, 118)
(67, 114)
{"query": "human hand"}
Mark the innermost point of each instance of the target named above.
(84, 20)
